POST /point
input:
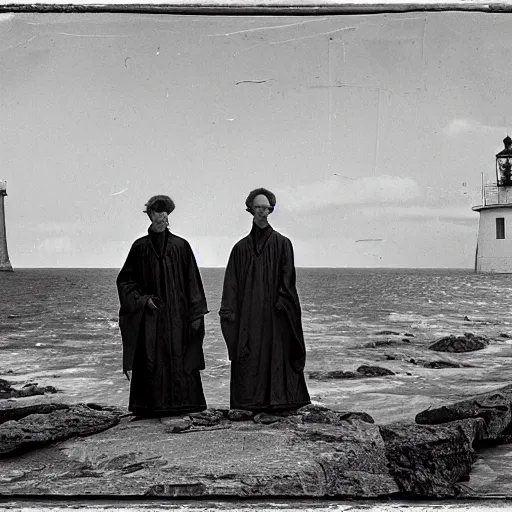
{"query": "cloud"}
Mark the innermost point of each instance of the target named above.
(449, 213)
(342, 191)
(460, 126)
(55, 245)
(58, 227)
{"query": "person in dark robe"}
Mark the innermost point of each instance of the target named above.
(162, 320)
(260, 317)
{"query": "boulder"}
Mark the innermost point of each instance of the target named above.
(380, 343)
(17, 408)
(240, 415)
(361, 372)
(494, 409)
(206, 418)
(373, 371)
(467, 343)
(36, 430)
(428, 460)
(334, 374)
(400, 357)
(330, 417)
(29, 389)
(266, 419)
(175, 425)
(440, 364)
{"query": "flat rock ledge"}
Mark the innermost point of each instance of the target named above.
(25, 426)
(47, 449)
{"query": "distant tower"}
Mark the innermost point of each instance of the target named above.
(4, 256)
(494, 246)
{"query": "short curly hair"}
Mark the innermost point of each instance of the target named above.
(260, 191)
(159, 203)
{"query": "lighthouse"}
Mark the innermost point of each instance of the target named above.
(494, 245)
(4, 256)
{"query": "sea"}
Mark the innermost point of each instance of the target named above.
(59, 327)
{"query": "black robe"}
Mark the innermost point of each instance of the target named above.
(164, 353)
(261, 323)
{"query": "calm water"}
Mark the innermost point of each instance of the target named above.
(59, 327)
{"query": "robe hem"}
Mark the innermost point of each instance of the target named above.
(270, 407)
(175, 411)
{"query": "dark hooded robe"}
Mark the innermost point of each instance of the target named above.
(160, 347)
(261, 323)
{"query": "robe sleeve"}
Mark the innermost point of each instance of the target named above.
(196, 298)
(197, 308)
(133, 302)
(288, 303)
(228, 312)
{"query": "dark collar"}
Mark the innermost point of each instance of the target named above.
(155, 234)
(159, 240)
(259, 236)
(257, 229)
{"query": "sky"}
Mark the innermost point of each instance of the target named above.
(373, 131)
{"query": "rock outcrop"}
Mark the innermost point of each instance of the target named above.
(494, 409)
(29, 389)
(441, 364)
(15, 409)
(362, 372)
(469, 342)
(38, 429)
(431, 461)
(313, 451)
(385, 343)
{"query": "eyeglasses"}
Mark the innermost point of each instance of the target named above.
(258, 207)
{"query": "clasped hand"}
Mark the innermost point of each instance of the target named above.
(196, 324)
(153, 303)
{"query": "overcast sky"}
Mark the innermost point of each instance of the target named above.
(372, 131)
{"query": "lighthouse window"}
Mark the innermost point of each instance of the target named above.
(500, 228)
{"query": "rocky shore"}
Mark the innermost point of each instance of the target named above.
(51, 448)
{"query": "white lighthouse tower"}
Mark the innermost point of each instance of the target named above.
(4, 256)
(494, 246)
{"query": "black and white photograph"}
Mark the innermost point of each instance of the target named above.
(255, 260)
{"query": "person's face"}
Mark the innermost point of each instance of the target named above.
(159, 220)
(261, 207)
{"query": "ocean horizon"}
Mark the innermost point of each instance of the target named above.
(59, 326)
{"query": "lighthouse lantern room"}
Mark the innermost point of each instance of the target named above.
(504, 164)
(494, 245)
